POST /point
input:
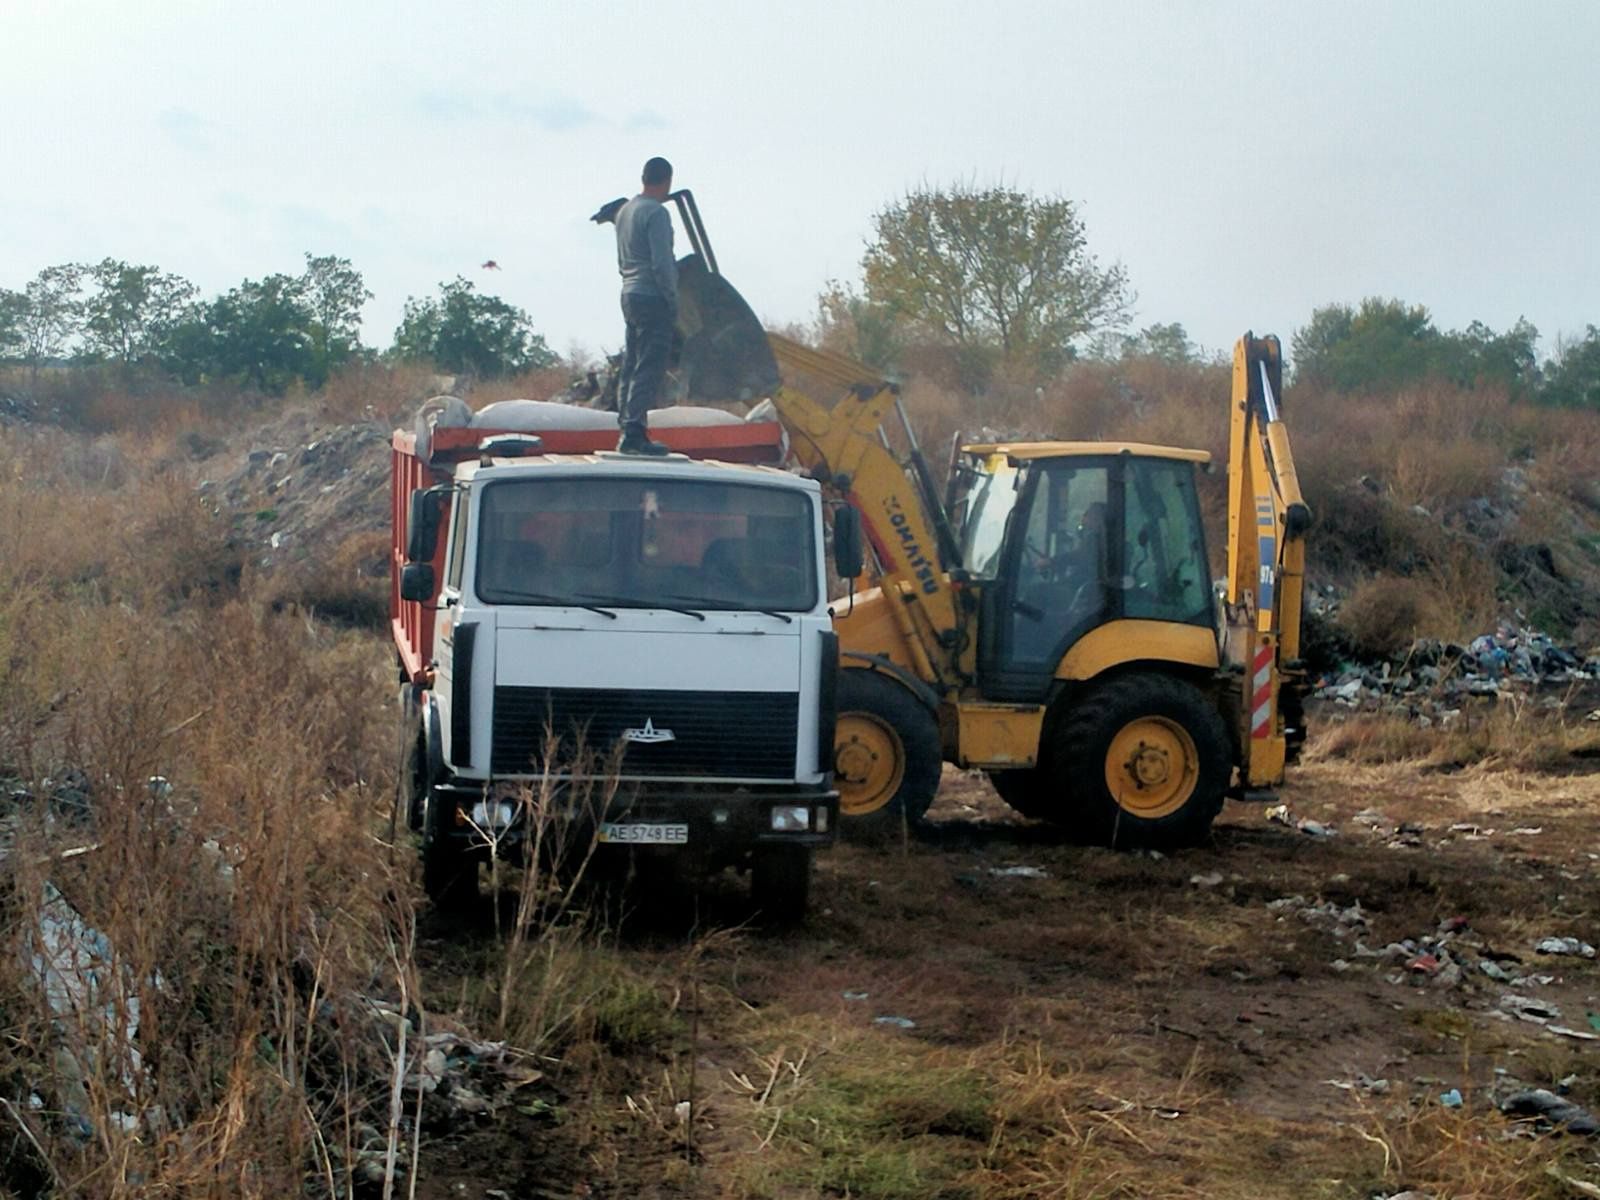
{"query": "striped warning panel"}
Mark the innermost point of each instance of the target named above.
(1261, 694)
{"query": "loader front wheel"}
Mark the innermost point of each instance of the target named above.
(1141, 761)
(886, 756)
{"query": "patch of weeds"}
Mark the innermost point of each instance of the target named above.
(266, 514)
(882, 1128)
(1443, 1022)
(630, 1013)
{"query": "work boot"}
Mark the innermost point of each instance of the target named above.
(638, 443)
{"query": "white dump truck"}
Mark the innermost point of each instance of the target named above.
(668, 617)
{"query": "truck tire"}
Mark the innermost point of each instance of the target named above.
(1141, 761)
(780, 882)
(449, 865)
(886, 756)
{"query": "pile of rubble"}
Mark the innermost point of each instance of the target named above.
(1433, 680)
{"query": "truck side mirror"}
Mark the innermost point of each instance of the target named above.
(422, 530)
(416, 582)
(847, 559)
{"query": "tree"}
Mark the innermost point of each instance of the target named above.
(1388, 344)
(852, 325)
(48, 316)
(465, 332)
(1166, 343)
(259, 334)
(11, 309)
(132, 311)
(335, 294)
(1572, 376)
(993, 272)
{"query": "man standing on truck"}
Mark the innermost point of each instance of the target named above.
(649, 304)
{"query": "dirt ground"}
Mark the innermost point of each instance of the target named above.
(1099, 1024)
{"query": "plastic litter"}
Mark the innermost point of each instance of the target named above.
(1547, 1106)
(895, 1022)
(1540, 1012)
(853, 995)
(1451, 1099)
(1020, 872)
(1210, 879)
(1565, 945)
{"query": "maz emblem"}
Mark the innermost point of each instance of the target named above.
(648, 734)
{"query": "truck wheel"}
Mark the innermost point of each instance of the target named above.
(886, 756)
(780, 882)
(449, 866)
(1140, 761)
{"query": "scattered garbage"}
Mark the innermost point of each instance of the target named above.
(1340, 921)
(1020, 872)
(853, 995)
(1565, 945)
(1451, 1099)
(895, 1022)
(1525, 1008)
(1433, 680)
(1209, 879)
(1549, 1107)
(1316, 829)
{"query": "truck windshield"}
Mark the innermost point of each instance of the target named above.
(647, 543)
(990, 502)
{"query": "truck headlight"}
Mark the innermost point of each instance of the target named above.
(791, 818)
(497, 815)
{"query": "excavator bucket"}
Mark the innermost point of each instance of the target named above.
(725, 354)
(721, 355)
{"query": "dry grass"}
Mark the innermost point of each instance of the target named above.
(1508, 735)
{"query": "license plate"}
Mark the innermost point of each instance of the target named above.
(618, 832)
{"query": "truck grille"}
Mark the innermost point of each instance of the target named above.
(717, 735)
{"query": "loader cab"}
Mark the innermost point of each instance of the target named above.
(1061, 539)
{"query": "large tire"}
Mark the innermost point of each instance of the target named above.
(1141, 761)
(780, 882)
(449, 865)
(886, 756)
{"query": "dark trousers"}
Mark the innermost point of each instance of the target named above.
(650, 322)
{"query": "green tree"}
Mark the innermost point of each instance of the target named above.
(259, 334)
(1383, 345)
(993, 272)
(47, 319)
(465, 332)
(132, 310)
(335, 293)
(1572, 376)
(1166, 343)
(852, 325)
(11, 309)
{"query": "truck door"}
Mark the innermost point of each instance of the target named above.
(446, 617)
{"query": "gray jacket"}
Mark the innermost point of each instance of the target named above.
(644, 250)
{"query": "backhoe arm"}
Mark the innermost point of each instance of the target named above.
(844, 446)
(1267, 523)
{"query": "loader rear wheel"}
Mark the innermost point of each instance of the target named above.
(1141, 761)
(886, 756)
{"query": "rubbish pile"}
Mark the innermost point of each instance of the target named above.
(1434, 679)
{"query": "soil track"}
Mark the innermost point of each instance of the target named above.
(1153, 987)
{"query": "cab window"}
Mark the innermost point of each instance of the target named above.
(1168, 577)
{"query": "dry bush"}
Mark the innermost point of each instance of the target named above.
(1385, 615)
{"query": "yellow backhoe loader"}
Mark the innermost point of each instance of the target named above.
(1051, 618)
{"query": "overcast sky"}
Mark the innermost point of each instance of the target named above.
(1245, 162)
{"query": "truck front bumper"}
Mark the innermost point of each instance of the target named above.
(716, 821)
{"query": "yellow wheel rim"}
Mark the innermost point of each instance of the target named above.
(1152, 767)
(869, 763)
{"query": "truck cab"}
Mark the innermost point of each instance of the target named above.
(649, 640)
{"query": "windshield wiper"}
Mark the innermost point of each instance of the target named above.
(559, 601)
(644, 602)
(784, 617)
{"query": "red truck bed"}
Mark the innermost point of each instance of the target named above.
(412, 622)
